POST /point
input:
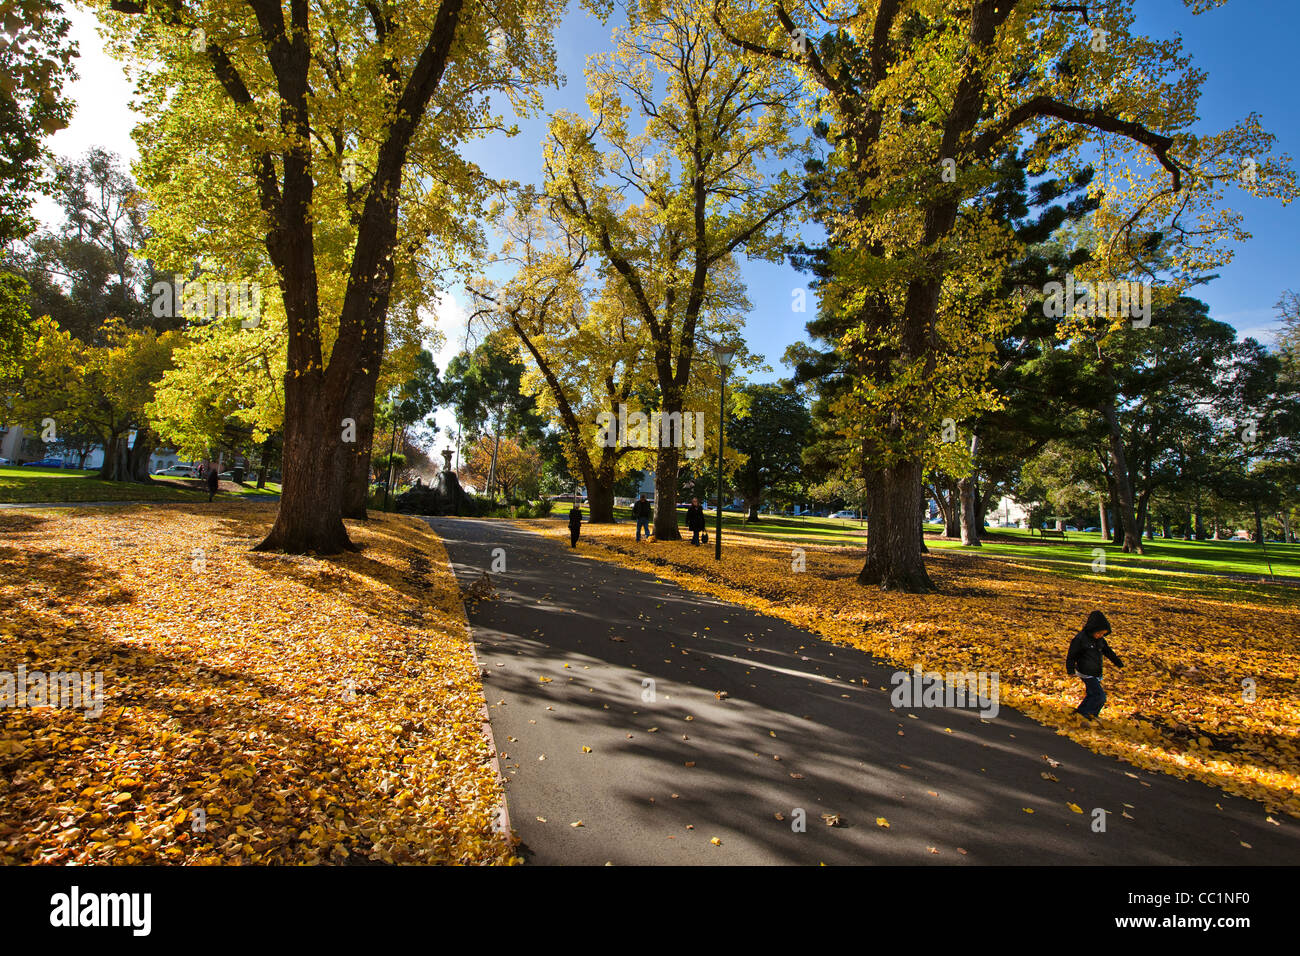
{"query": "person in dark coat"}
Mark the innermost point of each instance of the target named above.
(1085, 661)
(641, 512)
(695, 520)
(575, 524)
(212, 482)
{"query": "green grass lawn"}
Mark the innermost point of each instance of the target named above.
(1074, 555)
(39, 485)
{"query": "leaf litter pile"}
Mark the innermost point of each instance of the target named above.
(1210, 689)
(257, 708)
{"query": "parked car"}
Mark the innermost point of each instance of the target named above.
(1088, 530)
(178, 471)
(4, 461)
(44, 463)
(845, 514)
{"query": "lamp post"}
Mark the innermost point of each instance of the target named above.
(723, 355)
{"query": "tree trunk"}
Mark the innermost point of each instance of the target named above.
(141, 451)
(666, 467)
(1124, 504)
(968, 488)
(311, 504)
(922, 511)
(600, 500)
(894, 559)
(752, 506)
(116, 464)
(492, 466)
(1105, 519)
(946, 497)
(982, 500)
(264, 465)
(1116, 526)
(1143, 519)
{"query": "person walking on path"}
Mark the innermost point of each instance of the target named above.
(1085, 660)
(212, 481)
(575, 524)
(641, 512)
(695, 520)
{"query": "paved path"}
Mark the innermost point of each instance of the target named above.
(665, 776)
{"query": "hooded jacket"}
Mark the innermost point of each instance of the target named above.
(575, 518)
(641, 509)
(1086, 649)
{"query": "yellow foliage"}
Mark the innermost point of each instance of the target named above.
(258, 708)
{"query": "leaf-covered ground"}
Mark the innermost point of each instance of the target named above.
(1179, 705)
(313, 710)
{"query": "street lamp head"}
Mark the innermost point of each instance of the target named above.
(723, 354)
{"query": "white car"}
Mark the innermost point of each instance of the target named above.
(846, 514)
(178, 471)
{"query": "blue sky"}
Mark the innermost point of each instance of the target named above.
(1247, 49)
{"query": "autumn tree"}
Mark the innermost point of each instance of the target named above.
(918, 102)
(674, 172)
(484, 387)
(36, 62)
(280, 142)
(224, 373)
(501, 462)
(106, 387)
(17, 329)
(585, 351)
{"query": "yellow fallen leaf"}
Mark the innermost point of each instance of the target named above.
(882, 822)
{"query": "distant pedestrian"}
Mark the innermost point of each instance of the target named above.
(212, 482)
(1084, 660)
(575, 524)
(695, 520)
(641, 512)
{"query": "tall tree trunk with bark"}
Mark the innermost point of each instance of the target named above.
(667, 465)
(947, 497)
(1124, 503)
(968, 490)
(894, 559)
(141, 451)
(970, 529)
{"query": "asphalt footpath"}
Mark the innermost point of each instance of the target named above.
(641, 723)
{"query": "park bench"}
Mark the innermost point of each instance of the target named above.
(1051, 533)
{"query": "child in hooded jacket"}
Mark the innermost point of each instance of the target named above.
(1084, 660)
